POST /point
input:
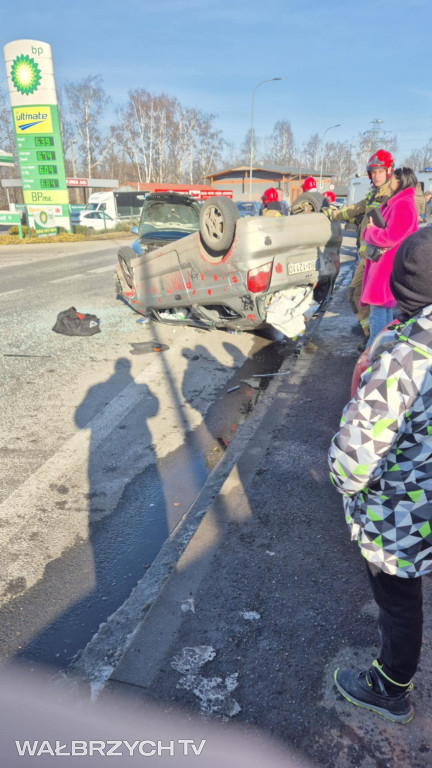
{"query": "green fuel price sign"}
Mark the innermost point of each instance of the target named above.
(33, 99)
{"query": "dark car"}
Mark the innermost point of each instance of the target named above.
(248, 209)
(203, 265)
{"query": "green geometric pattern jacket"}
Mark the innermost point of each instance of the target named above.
(381, 459)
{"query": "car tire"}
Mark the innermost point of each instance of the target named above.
(125, 255)
(323, 290)
(89, 231)
(218, 218)
(315, 200)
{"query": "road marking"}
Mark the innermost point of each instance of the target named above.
(111, 268)
(8, 293)
(65, 279)
(32, 506)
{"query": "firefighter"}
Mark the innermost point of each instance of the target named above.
(270, 203)
(330, 196)
(379, 170)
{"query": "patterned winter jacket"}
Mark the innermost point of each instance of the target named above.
(373, 199)
(381, 459)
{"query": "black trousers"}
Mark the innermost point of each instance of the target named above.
(400, 603)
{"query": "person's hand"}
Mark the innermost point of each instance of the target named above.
(370, 223)
(327, 212)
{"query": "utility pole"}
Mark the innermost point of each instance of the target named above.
(375, 133)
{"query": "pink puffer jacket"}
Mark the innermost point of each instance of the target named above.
(400, 215)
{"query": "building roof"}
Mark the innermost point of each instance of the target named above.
(147, 186)
(283, 170)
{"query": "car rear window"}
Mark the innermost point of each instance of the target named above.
(162, 215)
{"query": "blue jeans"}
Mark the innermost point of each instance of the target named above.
(379, 317)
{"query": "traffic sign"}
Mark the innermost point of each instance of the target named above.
(6, 217)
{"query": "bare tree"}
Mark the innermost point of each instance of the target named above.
(370, 141)
(7, 143)
(144, 133)
(244, 152)
(87, 103)
(420, 158)
(165, 140)
(66, 130)
(282, 150)
(208, 152)
(311, 152)
(339, 161)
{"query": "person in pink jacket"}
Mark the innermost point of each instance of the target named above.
(400, 217)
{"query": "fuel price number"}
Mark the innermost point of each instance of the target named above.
(45, 156)
(44, 141)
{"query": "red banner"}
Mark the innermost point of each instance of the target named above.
(77, 182)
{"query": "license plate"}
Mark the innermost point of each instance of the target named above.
(302, 266)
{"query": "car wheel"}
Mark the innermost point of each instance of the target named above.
(124, 256)
(218, 218)
(89, 231)
(323, 290)
(314, 200)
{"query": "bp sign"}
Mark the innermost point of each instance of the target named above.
(33, 98)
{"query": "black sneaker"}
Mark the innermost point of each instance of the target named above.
(366, 689)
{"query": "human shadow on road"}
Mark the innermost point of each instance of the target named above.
(127, 525)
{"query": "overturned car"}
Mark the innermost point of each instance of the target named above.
(202, 265)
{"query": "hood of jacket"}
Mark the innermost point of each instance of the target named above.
(417, 332)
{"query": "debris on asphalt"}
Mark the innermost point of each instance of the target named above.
(251, 383)
(143, 347)
(310, 348)
(143, 320)
(251, 615)
(188, 605)
(213, 693)
(261, 375)
(222, 442)
(233, 389)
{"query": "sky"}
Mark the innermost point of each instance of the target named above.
(339, 62)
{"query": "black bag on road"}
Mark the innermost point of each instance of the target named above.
(73, 323)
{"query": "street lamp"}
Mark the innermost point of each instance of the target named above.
(252, 130)
(338, 125)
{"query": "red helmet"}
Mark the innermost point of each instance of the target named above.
(331, 197)
(381, 159)
(270, 195)
(309, 184)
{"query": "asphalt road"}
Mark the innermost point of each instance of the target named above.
(102, 451)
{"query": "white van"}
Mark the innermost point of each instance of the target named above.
(358, 186)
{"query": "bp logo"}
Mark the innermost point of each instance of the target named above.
(43, 217)
(26, 75)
